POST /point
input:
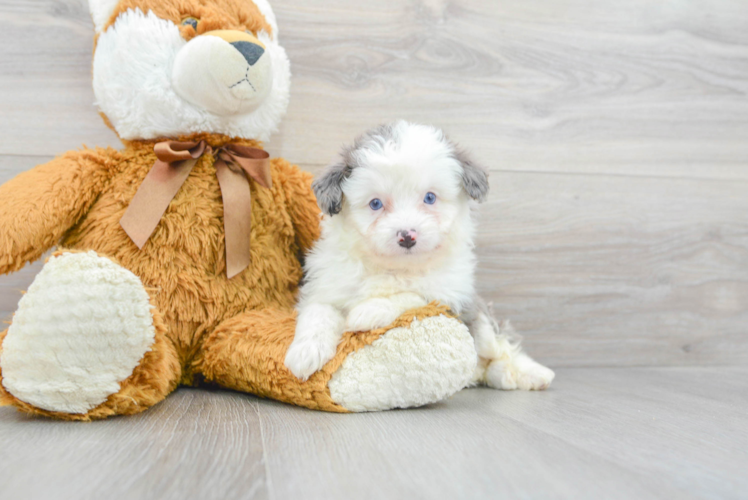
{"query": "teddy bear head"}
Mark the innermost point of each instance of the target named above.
(172, 68)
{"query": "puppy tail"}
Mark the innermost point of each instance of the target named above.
(503, 328)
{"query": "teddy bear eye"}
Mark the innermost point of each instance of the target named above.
(190, 21)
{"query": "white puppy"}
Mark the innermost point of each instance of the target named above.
(398, 234)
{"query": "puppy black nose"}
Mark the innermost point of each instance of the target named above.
(251, 51)
(407, 238)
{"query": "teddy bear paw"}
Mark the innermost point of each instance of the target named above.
(81, 329)
(408, 366)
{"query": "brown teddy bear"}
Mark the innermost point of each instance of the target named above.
(178, 256)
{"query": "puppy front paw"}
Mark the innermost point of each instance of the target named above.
(370, 315)
(380, 312)
(306, 357)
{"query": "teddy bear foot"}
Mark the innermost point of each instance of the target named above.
(81, 329)
(413, 365)
(421, 358)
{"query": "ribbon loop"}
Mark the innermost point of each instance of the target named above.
(233, 164)
(255, 162)
(171, 151)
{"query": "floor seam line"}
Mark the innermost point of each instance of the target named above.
(268, 477)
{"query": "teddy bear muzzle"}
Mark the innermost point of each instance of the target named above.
(225, 72)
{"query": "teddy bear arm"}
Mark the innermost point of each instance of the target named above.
(37, 207)
(301, 202)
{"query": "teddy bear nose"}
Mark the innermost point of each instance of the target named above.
(251, 51)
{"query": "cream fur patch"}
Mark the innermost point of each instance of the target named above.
(407, 367)
(81, 329)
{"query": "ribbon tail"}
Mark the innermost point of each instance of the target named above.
(237, 216)
(153, 197)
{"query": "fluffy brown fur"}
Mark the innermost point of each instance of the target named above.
(212, 14)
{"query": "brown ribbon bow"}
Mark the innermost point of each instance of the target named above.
(175, 162)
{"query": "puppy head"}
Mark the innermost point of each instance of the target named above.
(402, 191)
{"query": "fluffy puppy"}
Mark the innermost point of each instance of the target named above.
(398, 233)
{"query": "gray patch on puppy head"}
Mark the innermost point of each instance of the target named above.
(376, 138)
(474, 176)
(328, 188)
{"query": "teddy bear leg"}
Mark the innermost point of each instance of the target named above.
(423, 357)
(86, 343)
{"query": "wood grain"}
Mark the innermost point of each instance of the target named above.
(631, 88)
(597, 433)
(575, 86)
(192, 446)
(13, 286)
(599, 270)
(615, 233)
(616, 270)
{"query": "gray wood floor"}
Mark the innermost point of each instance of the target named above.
(599, 433)
(615, 238)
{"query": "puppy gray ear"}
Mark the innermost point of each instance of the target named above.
(474, 176)
(328, 188)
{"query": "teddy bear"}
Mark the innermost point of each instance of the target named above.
(177, 257)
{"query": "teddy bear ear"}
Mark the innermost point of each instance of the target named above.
(267, 11)
(101, 11)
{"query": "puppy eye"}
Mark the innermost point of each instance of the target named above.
(375, 204)
(430, 198)
(190, 21)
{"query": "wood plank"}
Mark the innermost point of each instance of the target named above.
(620, 438)
(45, 79)
(560, 86)
(695, 443)
(634, 88)
(608, 270)
(447, 451)
(12, 286)
(194, 445)
(12, 165)
(597, 433)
